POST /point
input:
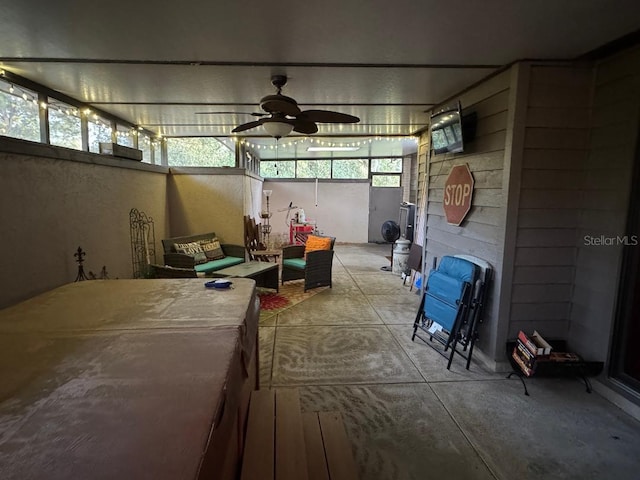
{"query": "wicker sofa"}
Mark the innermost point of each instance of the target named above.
(233, 254)
(316, 269)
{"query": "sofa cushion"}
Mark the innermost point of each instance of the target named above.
(212, 248)
(298, 263)
(192, 249)
(215, 265)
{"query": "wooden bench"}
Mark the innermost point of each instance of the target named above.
(284, 444)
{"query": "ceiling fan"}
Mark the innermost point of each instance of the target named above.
(283, 114)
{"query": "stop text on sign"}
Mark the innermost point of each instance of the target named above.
(458, 192)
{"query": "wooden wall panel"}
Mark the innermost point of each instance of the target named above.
(545, 293)
(546, 256)
(546, 237)
(472, 230)
(548, 218)
(542, 179)
(481, 234)
(564, 117)
(552, 328)
(532, 275)
(557, 138)
(549, 159)
(550, 199)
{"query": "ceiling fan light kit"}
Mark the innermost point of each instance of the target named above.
(277, 129)
(285, 115)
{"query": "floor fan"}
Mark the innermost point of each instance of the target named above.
(390, 233)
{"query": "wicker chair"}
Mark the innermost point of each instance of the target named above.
(316, 269)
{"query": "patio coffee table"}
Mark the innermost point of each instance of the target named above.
(264, 273)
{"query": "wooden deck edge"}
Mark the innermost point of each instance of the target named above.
(282, 443)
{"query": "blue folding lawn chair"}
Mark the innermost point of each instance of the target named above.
(451, 305)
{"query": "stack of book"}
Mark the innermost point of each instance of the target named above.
(529, 351)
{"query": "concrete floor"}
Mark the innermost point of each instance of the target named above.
(349, 349)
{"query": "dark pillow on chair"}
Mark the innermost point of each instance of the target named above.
(212, 248)
(193, 249)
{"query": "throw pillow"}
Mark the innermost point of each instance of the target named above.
(316, 243)
(193, 249)
(212, 248)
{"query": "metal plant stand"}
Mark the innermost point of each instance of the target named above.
(143, 242)
(266, 216)
(80, 259)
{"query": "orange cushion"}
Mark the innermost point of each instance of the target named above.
(317, 243)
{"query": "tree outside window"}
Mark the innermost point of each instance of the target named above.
(64, 125)
(199, 152)
(19, 116)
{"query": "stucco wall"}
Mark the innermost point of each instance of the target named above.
(49, 207)
(208, 200)
(342, 211)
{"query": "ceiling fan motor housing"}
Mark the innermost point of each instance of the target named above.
(278, 81)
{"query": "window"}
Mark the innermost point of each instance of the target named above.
(314, 169)
(278, 169)
(385, 172)
(64, 125)
(351, 168)
(199, 152)
(380, 170)
(144, 144)
(19, 117)
(385, 181)
(124, 136)
(386, 165)
(99, 132)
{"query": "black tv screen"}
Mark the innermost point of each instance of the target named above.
(446, 131)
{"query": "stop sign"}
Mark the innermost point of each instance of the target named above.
(458, 190)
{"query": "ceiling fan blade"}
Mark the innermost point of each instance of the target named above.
(304, 126)
(280, 104)
(327, 116)
(248, 126)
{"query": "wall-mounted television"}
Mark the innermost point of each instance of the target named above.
(446, 130)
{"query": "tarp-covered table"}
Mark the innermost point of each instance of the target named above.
(127, 379)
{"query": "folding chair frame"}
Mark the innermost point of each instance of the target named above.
(464, 331)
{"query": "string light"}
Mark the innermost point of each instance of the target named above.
(324, 143)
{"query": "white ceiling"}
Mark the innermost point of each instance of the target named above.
(159, 64)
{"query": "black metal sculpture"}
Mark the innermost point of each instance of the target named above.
(80, 259)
